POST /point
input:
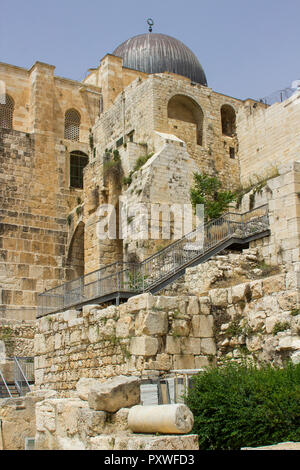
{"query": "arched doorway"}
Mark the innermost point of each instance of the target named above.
(228, 118)
(183, 111)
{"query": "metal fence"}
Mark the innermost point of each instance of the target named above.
(168, 390)
(27, 366)
(21, 381)
(136, 278)
(278, 96)
(4, 389)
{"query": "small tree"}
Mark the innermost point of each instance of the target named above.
(207, 191)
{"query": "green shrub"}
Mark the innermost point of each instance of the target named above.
(207, 191)
(241, 405)
(141, 161)
(138, 164)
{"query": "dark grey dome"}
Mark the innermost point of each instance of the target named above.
(157, 53)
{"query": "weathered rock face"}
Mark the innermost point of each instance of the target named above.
(18, 419)
(164, 419)
(70, 424)
(118, 392)
(16, 338)
(64, 424)
(84, 386)
(223, 270)
(140, 442)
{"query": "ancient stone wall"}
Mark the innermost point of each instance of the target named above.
(112, 77)
(150, 336)
(17, 417)
(280, 192)
(268, 137)
(146, 336)
(35, 195)
(143, 108)
(16, 339)
(214, 152)
(164, 180)
(132, 111)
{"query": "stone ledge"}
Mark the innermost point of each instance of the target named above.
(144, 442)
(281, 446)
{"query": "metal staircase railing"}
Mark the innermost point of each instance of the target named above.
(20, 378)
(4, 389)
(152, 274)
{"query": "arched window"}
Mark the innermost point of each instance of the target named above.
(183, 108)
(7, 112)
(228, 120)
(78, 160)
(72, 125)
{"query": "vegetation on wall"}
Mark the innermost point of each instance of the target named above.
(207, 191)
(256, 186)
(241, 405)
(138, 165)
(7, 336)
(112, 167)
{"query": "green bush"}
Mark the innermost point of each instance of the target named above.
(207, 191)
(141, 161)
(238, 406)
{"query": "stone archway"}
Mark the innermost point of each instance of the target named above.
(183, 111)
(228, 118)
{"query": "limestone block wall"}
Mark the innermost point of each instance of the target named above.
(281, 195)
(33, 225)
(28, 89)
(268, 137)
(258, 319)
(18, 421)
(255, 305)
(35, 194)
(165, 179)
(213, 155)
(132, 110)
(147, 336)
(16, 339)
(17, 85)
(142, 108)
(112, 77)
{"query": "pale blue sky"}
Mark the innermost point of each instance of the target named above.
(247, 48)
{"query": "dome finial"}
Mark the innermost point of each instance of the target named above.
(150, 24)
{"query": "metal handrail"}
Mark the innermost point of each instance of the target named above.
(19, 371)
(139, 277)
(27, 365)
(5, 384)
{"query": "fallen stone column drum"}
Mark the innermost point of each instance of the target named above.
(167, 419)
